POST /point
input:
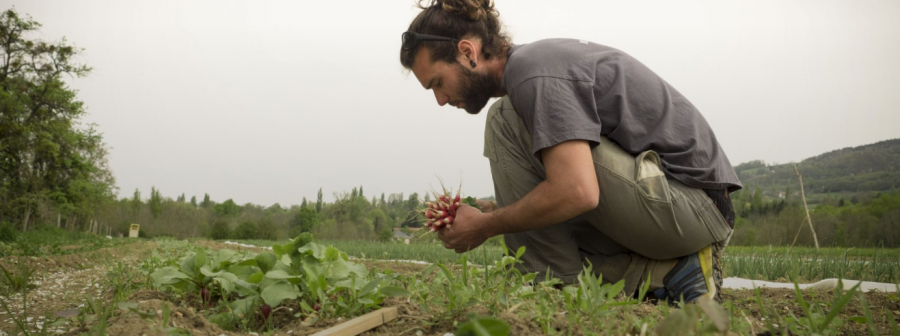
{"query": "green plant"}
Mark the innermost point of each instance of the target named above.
(220, 230)
(245, 230)
(120, 277)
(164, 327)
(483, 326)
(97, 314)
(690, 321)
(8, 234)
(17, 282)
(199, 273)
(321, 278)
(817, 320)
(591, 297)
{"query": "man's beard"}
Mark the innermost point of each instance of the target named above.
(476, 89)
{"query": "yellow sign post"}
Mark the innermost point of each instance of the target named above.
(133, 233)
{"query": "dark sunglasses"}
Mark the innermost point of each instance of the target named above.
(411, 39)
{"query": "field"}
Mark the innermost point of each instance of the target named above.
(85, 285)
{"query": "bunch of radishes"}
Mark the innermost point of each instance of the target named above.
(441, 212)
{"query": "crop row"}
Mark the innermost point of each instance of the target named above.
(761, 263)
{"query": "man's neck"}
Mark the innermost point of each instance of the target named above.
(496, 68)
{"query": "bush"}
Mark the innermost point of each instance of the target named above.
(265, 229)
(385, 235)
(245, 230)
(7, 233)
(220, 230)
(202, 229)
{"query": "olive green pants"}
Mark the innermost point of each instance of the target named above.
(643, 223)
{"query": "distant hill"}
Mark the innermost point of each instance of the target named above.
(850, 172)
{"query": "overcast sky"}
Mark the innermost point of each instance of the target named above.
(267, 101)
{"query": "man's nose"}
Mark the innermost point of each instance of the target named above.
(442, 99)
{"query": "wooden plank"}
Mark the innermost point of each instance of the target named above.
(361, 324)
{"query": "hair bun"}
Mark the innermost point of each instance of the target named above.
(475, 10)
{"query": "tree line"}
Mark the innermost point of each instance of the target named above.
(352, 215)
(838, 221)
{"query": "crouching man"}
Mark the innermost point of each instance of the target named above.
(594, 157)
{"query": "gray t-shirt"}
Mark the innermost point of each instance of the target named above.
(566, 89)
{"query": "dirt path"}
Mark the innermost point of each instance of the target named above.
(63, 284)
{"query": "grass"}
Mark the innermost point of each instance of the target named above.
(849, 252)
(779, 263)
(50, 240)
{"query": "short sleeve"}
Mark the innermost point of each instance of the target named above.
(556, 110)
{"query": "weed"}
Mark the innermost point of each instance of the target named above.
(16, 282)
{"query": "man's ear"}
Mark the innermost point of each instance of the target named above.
(468, 51)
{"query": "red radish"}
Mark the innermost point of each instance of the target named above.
(266, 310)
(204, 295)
(316, 307)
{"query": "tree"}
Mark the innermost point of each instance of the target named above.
(220, 230)
(206, 202)
(180, 198)
(136, 202)
(304, 204)
(274, 209)
(245, 230)
(413, 202)
(379, 220)
(756, 203)
(47, 159)
(305, 220)
(227, 208)
(319, 201)
(155, 202)
(265, 229)
(194, 201)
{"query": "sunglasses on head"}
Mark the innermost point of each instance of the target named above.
(411, 39)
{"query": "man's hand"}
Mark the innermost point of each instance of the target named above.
(470, 229)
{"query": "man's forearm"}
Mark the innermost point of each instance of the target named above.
(545, 205)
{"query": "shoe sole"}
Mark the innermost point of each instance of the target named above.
(718, 271)
(711, 265)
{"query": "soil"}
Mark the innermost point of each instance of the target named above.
(783, 302)
(62, 283)
(154, 321)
